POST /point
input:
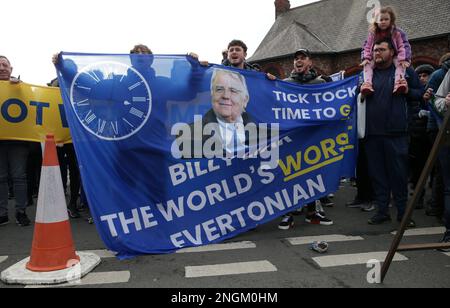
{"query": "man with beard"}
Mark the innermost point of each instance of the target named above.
(305, 74)
(387, 128)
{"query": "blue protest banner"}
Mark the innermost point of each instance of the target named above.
(173, 154)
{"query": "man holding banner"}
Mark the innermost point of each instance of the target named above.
(304, 73)
(13, 161)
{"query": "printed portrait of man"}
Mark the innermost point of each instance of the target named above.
(226, 128)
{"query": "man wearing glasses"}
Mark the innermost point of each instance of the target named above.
(386, 131)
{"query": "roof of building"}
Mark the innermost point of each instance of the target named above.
(330, 26)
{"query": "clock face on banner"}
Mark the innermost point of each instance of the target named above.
(111, 100)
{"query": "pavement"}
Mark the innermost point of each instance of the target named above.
(265, 257)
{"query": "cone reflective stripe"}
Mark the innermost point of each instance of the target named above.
(52, 247)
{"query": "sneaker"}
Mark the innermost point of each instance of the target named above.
(4, 220)
(355, 203)
(367, 89)
(286, 223)
(399, 89)
(326, 202)
(319, 208)
(368, 207)
(445, 240)
(318, 219)
(411, 224)
(297, 212)
(378, 219)
(22, 219)
(72, 211)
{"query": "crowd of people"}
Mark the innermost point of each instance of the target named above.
(405, 108)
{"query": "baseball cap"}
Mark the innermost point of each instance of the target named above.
(303, 51)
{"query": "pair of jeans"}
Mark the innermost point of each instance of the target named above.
(68, 158)
(388, 170)
(363, 184)
(13, 161)
(444, 158)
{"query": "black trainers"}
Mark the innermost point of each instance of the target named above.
(22, 219)
(286, 223)
(445, 240)
(355, 203)
(73, 212)
(411, 224)
(378, 219)
(318, 219)
(326, 202)
(368, 207)
(4, 220)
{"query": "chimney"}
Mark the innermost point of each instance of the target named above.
(281, 6)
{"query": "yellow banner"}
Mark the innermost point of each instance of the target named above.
(29, 113)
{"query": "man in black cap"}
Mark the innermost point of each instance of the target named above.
(305, 74)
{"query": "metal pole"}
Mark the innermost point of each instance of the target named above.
(440, 140)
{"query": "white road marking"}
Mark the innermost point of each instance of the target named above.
(94, 279)
(353, 259)
(104, 254)
(447, 254)
(327, 238)
(3, 258)
(230, 269)
(219, 247)
(423, 231)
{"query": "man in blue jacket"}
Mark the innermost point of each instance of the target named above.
(387, 133)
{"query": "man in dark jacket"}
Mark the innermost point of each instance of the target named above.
(436, 204)
(305, 74)
(387, 129)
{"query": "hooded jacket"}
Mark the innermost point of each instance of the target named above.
(311, 77)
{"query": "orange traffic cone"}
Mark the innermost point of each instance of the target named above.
(52, 247)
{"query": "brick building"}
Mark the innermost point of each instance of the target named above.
(334, 32)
